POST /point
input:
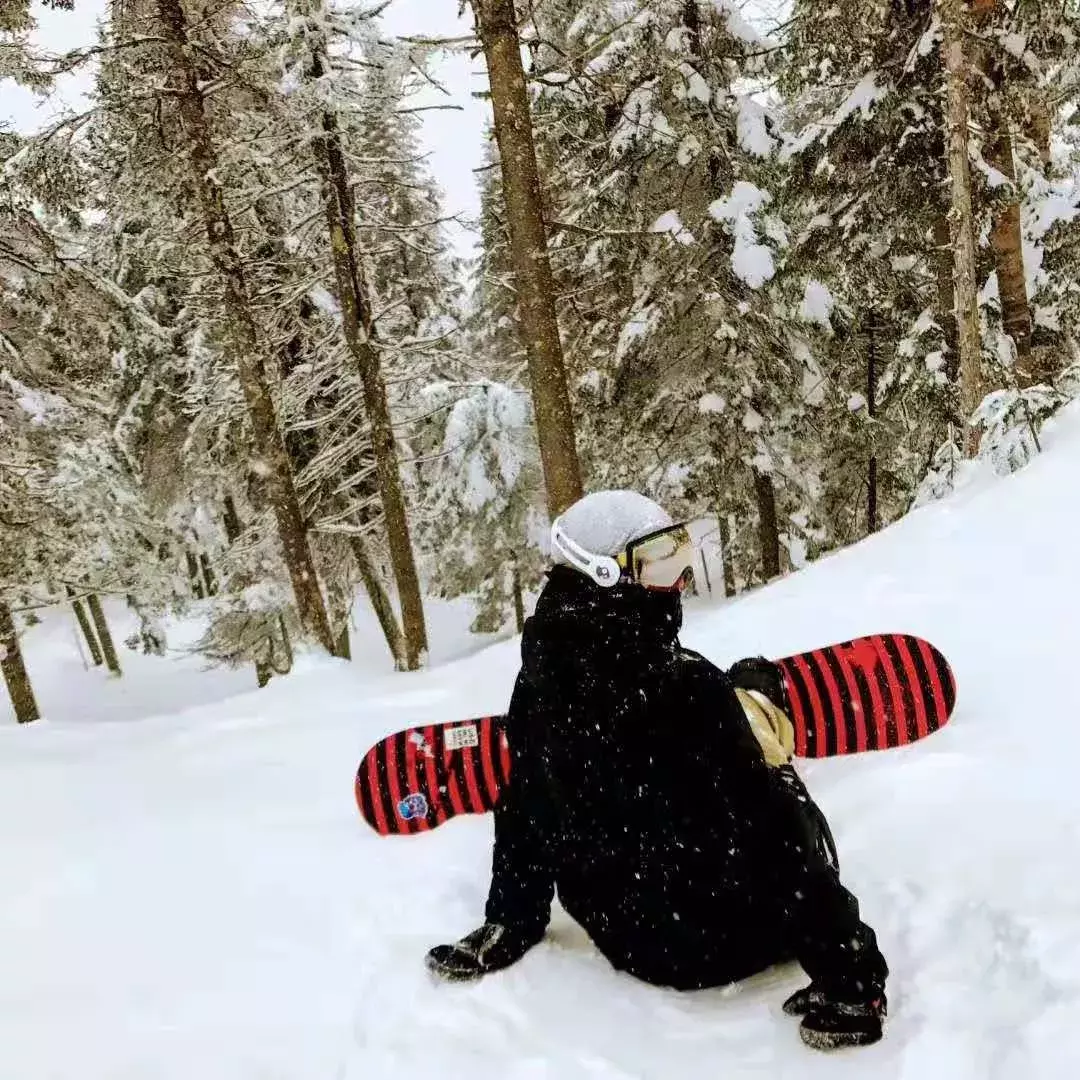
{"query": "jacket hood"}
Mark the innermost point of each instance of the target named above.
(577, 624)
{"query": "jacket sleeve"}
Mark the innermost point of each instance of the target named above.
(522, 877)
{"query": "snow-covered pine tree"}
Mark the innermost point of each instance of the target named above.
(659, 163)
(193, 56)
(310, 71)
(523, 198)
(484, 508)
(864, 90)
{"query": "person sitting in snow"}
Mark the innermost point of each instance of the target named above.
(656, 794)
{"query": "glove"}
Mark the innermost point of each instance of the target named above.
(490, 948)
(757, 673)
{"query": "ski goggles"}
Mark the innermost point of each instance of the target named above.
(661, 560)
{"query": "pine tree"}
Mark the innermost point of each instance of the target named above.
(192, 126)
(961, 216)
(497, 28)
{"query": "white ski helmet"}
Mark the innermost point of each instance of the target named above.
(597, 528)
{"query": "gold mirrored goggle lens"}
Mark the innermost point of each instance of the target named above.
(661, 561)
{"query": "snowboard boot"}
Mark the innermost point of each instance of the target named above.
(490, 948)
(758, 673)
(833, 1025)
(802, 1001)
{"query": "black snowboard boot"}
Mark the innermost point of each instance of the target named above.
(833, 1025)
(802, 1001)
(758, 673)
(490, 948)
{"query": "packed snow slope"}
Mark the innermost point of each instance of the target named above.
(193, 895)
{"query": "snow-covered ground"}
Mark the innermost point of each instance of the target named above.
(187, 891)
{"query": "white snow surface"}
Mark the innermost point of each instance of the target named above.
(187, 890)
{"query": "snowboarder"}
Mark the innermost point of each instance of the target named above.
(687, 848)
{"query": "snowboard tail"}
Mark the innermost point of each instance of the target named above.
(871, 693)
(415, 780)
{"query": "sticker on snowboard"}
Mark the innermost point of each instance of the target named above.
(872, 693)
(414, 780)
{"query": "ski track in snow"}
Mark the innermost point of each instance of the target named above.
(187, 890)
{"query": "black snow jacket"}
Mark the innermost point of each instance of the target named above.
(640, 793)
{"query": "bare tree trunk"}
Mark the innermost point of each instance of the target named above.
(84, 626)
(358, 323)
(231, 520)
(101, 625)
(946, 301)
(208, 574)
(519, 599)
(233, 528)
(768, 532)
(1038, 127)
(497, 27)
(380, 601)
(339, 613)
(1006, 238)
(961, 221)
(871, 412)
(725, 554)
(203, 162)
(1006, 242)
(194, 576)
(15, 673)
(286, 641)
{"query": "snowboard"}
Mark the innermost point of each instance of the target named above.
(871, 693)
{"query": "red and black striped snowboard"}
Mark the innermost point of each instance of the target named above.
(873, 693)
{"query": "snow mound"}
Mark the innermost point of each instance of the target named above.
(194, 895)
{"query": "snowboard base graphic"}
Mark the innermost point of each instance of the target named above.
(871, 693)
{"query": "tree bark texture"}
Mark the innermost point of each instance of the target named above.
(104, 634)
(497, 27)
(194, 576)
(380, 601)
(273, 461)
(961, 220)
(209, 577)
(1006, 237)
(871, 413)
(231, 521)
(358, 324)
(946, 296)
(357, 320)
(519, 597)
(84, 626)
(725, 554)
(1006, 242)
(15, 673)
(768, 532)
